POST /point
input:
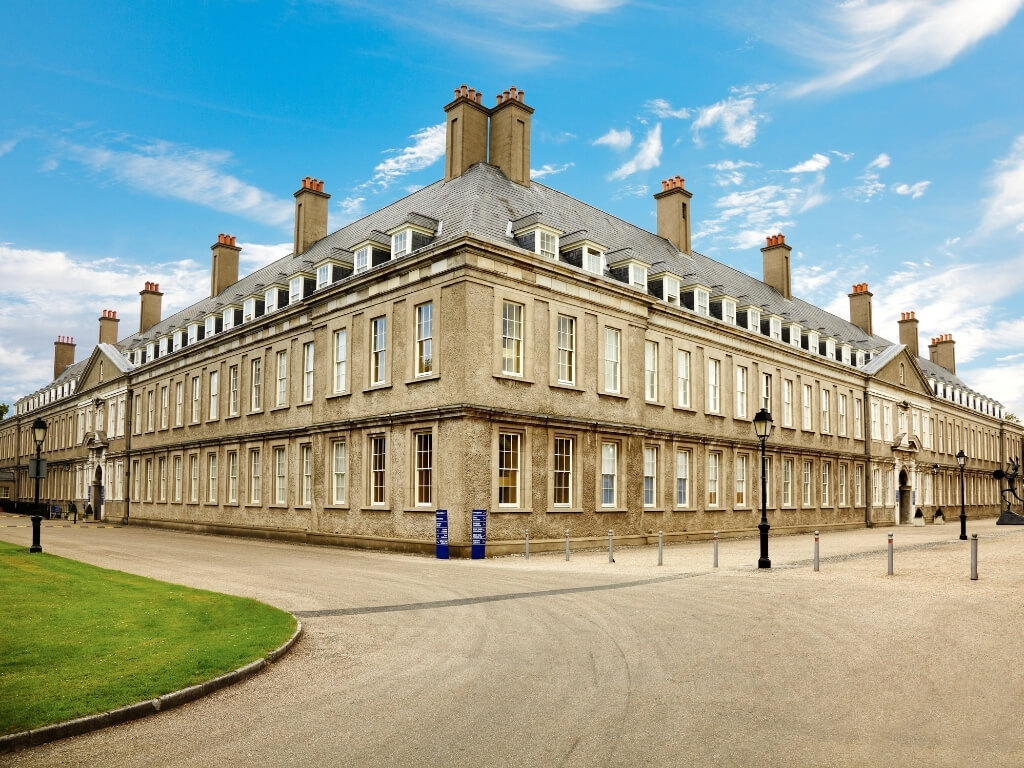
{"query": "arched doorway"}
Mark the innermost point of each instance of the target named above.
(904, 498)
(96, 497)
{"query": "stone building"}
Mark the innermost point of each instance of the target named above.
(491, 343)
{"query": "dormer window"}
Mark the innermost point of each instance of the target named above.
(400, 243)
(163, 345)
(728, 311)
(845, 354)
(830, 349)
(323, 276)
(362, 260)
(547, 244)
(248, 310)
(176, 340)
(702, 303)
(775, 328)
(295, 289)
(270, 300)
(593, 260)
(754, 319)
(228, 318)
(672, 290)
(150, 349)
(210, 326)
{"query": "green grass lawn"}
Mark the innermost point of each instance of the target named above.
(76, 639)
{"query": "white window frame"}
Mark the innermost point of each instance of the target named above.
(510, 481)
(741, 392)
(232, 477)
(609, 474)
(423, 468)
(340, 362)
(740, 480)
(714, 385)
(378, 351)
(339, 472)
(806, 484)
(612, 360)
(306, 467)
(787, 482)
(651, 371)
(826, 411)
(425, 339)
(378, 466)
(280, 475)
(683, 378)
(566, 346)
(282, 378)
(714, 473)
(512, 335)
(256, 385)
(650, 487)
(682, 478)
(214, 406)
(255, 476)
(563, 453)
(307, 372)
(233, 390)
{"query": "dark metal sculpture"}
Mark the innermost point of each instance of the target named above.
(1008, 516)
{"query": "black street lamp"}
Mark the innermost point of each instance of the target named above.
(961, 459)
(763, 429)
(38, 435)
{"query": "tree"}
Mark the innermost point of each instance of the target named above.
(1012, 418)
(4, 408)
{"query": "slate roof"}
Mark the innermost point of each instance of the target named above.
(482, 201)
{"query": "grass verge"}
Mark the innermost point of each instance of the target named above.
(76, 639)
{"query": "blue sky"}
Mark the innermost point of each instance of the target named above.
(884, 138)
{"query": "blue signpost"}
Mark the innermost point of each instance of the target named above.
(441, 522)
(479, 534)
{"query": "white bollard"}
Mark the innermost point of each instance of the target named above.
(815, 550)
(974, 557)
(890, 554)
(527, 543)
(611, 547)
(659, 547)
(715, 560)
(567, 545)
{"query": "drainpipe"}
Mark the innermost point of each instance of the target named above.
(865, 424)
(130, 407)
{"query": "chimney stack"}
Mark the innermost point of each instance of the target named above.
(673, 209)
(860, 308)
(149, 306)
(224, 271)
(310, 214)
(64, 354)
(108, 327)
(940, 352)
(908, 333)
(775, 264)
(466, 134)
(510, 136)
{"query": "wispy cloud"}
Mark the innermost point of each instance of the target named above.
(648, 155)
(427, 148)
(615, 139)
(663, 109)
(7, 146)
(1005, 207)
(817, 162)
(858, 43)
(351, 208)
(735, 117)
(166, 169)
(549, 169)
(882, 161)
(631, 190)
(914, 190)
(742, 218)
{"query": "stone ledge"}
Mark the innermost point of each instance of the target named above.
(139, 709)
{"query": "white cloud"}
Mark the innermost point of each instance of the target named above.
(648, 155)
(882, 161)
(890, 40)
(549, 169)
(817, 162)
(662, 108)
(7, 146)
(735, 116)
(615, 139)
(814, 196)
(808, 279)
(870, 181)
(427, 148)
(166, 169)
(631, 190)
(48, 287)
(844, 156)
(352, 208)
(914, 190)
(744, 217)
(1005, 207)
(731, 165)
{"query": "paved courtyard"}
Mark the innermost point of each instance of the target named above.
(410, 661)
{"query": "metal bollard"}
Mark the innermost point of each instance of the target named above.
(611, 547)
(527, 543)
(974, 557)
(815, 550)
(567, 545)
(715, 560)
(890, 554)
(36, 547)
(660, 542)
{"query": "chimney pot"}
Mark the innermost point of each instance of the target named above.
(522, 95)
(463, 90)
(457, 93)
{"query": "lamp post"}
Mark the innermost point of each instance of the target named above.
(961, 459)
(763, 428)
(38, 435)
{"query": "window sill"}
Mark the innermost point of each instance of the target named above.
(684, 408)
(427, 510)
(684, 509)
(337, 508)
(614, 395)
(512, 377)
(653, 404)
(376, 509)
(565, 511)
(305, 404)
(424, 377)
(610, 510)
(255, 412)
(232, 417)
(512, 510)
(277, 408)
(377, 387)
(715, 414)
(567, 387)
(654, 510)
(338, 395)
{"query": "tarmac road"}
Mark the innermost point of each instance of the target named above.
(410, 661)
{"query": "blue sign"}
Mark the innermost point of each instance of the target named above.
(479, 534)
(103, 493)
(441, 522)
